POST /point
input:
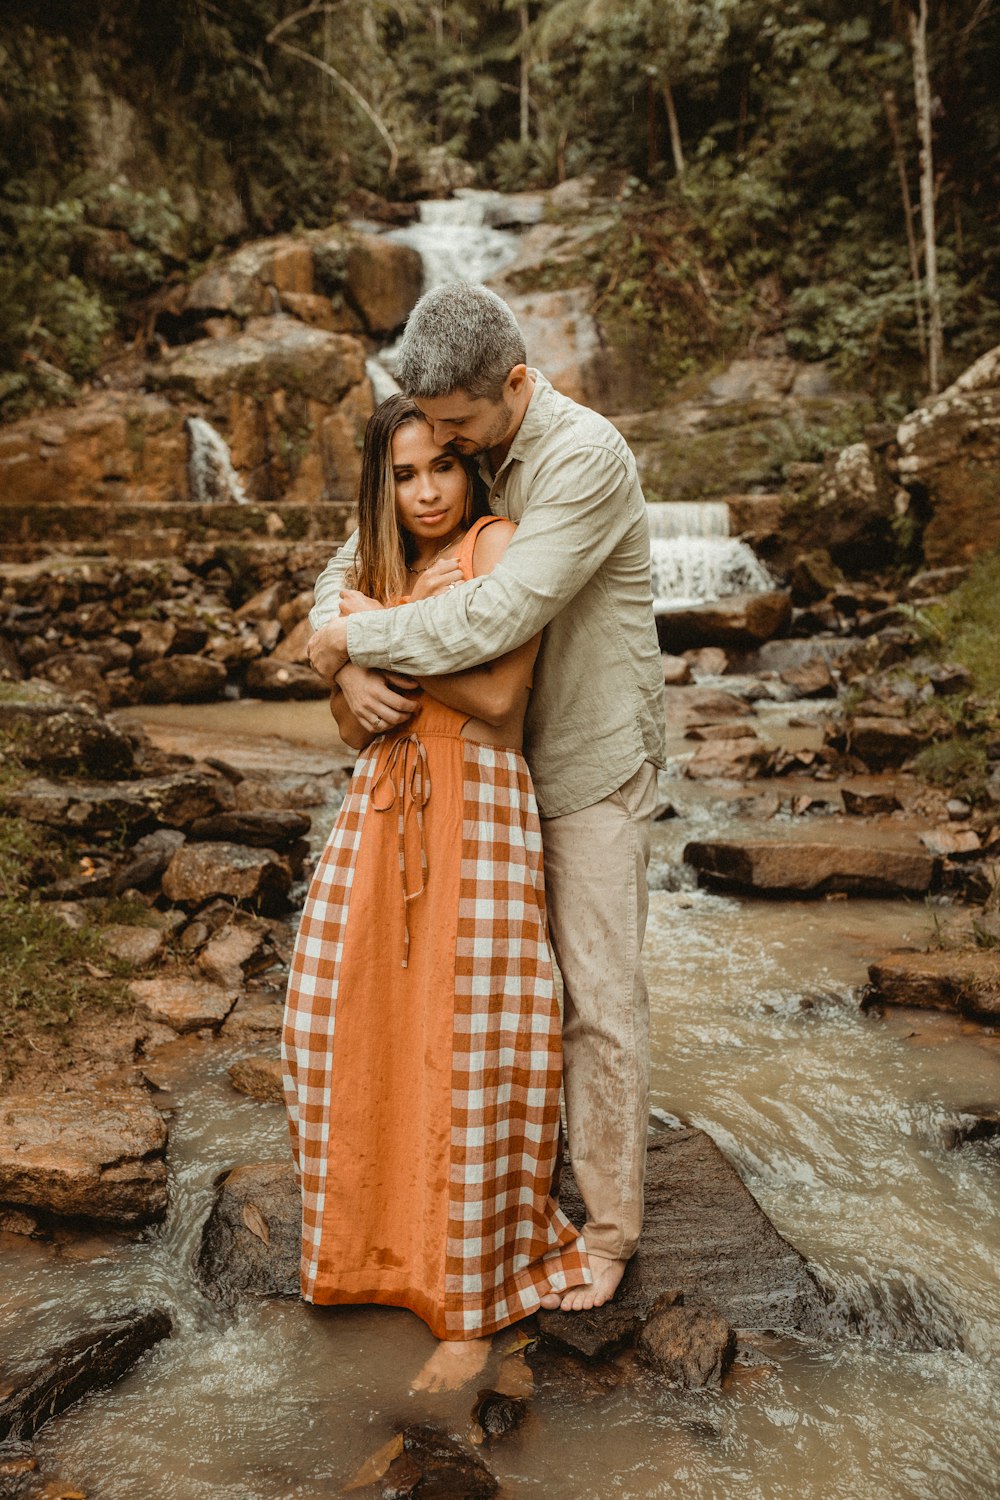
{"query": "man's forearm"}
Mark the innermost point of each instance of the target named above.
(326, 591)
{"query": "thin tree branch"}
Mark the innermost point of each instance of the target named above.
(352, 93)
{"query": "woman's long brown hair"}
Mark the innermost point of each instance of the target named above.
(384, 548)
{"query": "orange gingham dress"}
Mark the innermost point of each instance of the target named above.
(421, 1045)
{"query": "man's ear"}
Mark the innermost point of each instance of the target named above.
(516, 379)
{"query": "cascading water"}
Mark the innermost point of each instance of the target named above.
(455, 241)
(211, 476)
(695, 560)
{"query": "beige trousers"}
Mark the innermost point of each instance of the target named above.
(595, 880)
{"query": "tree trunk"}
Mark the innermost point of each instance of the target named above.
(525, 122)
(892, 115)
(675, 134)
(922, 93)
(652, 140)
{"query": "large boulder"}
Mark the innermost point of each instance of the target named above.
(792, 867)
(51, 732)
(251, 1243)
(111, 446)
(98, 1156)
(201, 872)
(182, 679)
(121, 807)
(182, 1003)
(383, 281)
(741, 620)
(949, 457)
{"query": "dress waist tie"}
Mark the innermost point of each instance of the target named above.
(405, 777)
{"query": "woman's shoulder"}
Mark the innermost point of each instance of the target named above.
(490, 542)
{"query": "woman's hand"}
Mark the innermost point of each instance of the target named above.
(437, 579)
(352, 602)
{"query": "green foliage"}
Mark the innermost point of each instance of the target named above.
(958, 763)
(967, 627)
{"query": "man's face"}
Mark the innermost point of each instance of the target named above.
(468, 424)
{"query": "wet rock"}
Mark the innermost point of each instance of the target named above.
(53, 733)
(701, 705)
(497, 1413)
(294, 646)
(882, 742)
(259, 1077)
(268, 678)
(182, 1003)
(952, 842)
(814, 575)
(869, 804)
(91, 1155)
(251, 1242)
(810, 679)
(90, 1361)
(704, 1236)
(791, 867)
(976, 1122)
(201, 872)
(728, 759)
(122, 807)
(182, 679)
(707, 661)
(966, 982)
(742, 620)
(854, 511)
(231, 954)
(253, 1022)
(676, 671)
(690, 1346)
(721, 732)
(383, 281)
(137, 946)
(262, 830)
(437, 1467)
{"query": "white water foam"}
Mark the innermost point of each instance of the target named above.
(211, 476)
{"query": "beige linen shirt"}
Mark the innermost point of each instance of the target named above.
(578, 567)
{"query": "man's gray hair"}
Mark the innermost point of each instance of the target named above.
(459, 337)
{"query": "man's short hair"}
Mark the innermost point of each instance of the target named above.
(459, 337)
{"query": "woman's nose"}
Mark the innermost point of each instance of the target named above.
(428, 486)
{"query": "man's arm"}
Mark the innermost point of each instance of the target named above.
(580, 507)
(331, 581)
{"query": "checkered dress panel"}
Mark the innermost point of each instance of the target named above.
(310, 1010)
(508, 1242)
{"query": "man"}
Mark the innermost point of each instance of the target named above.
(577, 567)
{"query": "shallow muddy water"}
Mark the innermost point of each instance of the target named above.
(834, 1119)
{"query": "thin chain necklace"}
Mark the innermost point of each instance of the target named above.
(439, 553)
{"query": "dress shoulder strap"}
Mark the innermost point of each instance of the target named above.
(468, 547)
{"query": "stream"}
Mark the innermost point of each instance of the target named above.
(835, 1120)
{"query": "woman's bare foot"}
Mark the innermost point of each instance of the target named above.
(606, 1275)
(453, 1364)
(552, 1300)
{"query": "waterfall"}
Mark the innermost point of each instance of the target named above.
(454, 240)
(382, 382)
(695, 560)
(211, 476)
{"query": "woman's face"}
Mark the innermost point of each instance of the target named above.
(431, 484)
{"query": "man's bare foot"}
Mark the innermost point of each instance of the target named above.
(453, 1364)
(606, 1275)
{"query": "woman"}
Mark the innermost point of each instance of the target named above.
(422, 1042)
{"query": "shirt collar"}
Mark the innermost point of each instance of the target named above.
(536, 419)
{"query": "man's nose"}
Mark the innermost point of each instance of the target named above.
(442, 433)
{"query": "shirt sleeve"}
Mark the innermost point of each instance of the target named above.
(330, 582)
(580, 506)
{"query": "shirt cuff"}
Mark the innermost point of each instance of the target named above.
(368, 638)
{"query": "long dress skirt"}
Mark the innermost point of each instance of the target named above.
(422, 1047)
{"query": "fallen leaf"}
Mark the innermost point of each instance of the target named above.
(256, 1223)
(476, 1435)
(373, 1468)
(517, 1341)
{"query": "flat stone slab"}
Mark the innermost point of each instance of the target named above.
(95, 1156)
(704, 1236)
(89, 1361)
(742, 620)
(786, 867)
(183, 1003)
(259, 1077)
(965, 982)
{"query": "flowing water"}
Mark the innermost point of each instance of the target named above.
(695, 560)
(834, 1119)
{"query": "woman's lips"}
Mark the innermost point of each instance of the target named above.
(430, 516)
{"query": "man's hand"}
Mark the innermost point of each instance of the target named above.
(375, 700)
(327, 649)
(436, 579)
(354, 603)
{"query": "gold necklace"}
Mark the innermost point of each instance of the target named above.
(439, 553)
